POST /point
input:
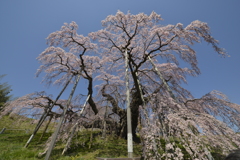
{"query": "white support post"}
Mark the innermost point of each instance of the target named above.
(129, 120)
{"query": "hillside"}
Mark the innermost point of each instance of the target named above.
(87, 144)
(12, 143)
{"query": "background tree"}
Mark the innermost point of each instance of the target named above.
(5, 89)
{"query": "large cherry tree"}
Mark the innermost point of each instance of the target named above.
(171, 123)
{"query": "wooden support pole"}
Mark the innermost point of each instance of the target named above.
(45, 114)
(163, 80)
(104, 122)
(46, 127)
(74, 128)
(54, 138)
(2, 131)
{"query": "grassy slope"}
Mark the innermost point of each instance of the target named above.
(12, 142)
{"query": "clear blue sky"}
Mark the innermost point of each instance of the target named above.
(24, 25)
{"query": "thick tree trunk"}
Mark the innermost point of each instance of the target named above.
(134, 117)
(134, 105)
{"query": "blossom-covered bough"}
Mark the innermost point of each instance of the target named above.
(33, 105)
(165, 117)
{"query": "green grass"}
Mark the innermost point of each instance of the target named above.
(12, 144)
(11, 147)
(20, 122)
(16, 122)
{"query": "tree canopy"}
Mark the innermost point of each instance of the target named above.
(162, 110)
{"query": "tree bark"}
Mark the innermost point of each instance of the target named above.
(134, 105)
